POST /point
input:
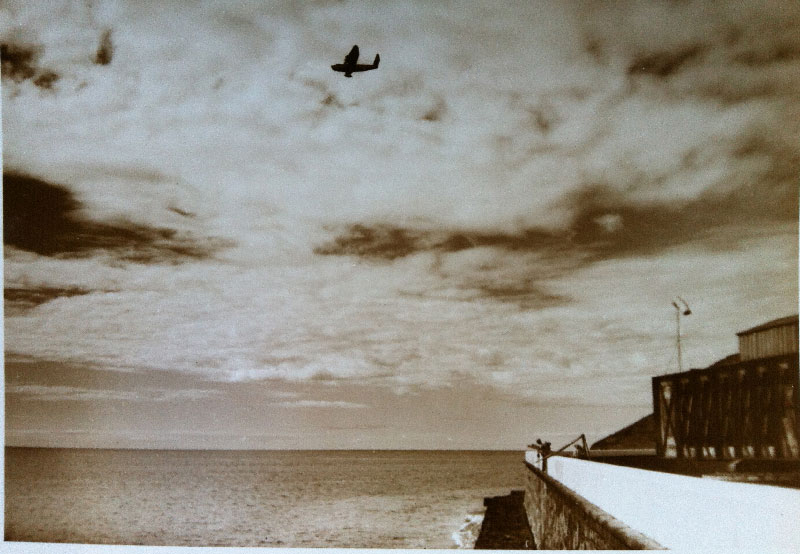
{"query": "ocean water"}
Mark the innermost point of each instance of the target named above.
(353, 499)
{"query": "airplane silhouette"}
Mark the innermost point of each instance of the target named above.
(350, 66)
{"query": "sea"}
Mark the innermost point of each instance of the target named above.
(274, 498)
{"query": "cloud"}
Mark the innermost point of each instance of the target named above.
(509, 201)
(664, 64)
(105, 49)
(516, 156)
(319, 404)
(18, 61)
(46, 393)
(606, 223)
(43, 218)
(20, 64)
(381, 242)
(20, 299)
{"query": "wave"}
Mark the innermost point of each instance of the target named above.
(467, 534)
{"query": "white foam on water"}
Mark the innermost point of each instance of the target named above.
(467, 534)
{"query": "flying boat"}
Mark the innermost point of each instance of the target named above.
(351, 64)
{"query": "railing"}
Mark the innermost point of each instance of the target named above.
(544, 450)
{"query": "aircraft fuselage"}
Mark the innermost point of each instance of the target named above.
(348, 69)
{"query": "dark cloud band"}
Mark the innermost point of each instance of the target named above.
(605, 224)
(43, 217)
(21, 298)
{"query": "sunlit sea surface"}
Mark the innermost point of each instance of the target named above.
(354, 499)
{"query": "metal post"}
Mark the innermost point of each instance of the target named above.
(678, 339)
(678, 314)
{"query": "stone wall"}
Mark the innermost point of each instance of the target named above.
(562, 520)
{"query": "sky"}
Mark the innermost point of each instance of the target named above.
(212, 240)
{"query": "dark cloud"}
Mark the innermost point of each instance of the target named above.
(19, 63)
(607, 224)
(384, 242)
(639, 231)
(331, 100)
(436, 112)
(42, 217)
(484, 282)
(784, 51)
(778, 179)
(734, 92)
(18, 299)
(664, 63)
(541, 116)
(525, 240)
(181, 212)
(544, 120)
(389, 242)
(646, 230)
(594, 47)
(526, 295)
(742, 66)
(105, 49)
(46, 79)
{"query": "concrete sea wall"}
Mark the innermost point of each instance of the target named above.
(560, 519)
(586, 504)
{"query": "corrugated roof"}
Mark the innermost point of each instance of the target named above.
(770, 324)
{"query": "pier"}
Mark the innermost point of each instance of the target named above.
(716, 466)
(505, 525)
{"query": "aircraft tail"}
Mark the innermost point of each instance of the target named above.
(377, 60)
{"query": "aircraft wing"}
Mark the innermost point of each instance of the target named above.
(352, 57)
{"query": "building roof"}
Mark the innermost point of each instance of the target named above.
(640, 434)
(732, 359)
(780, 322)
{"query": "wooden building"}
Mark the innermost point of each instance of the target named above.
(745, 406)
(774, 338)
